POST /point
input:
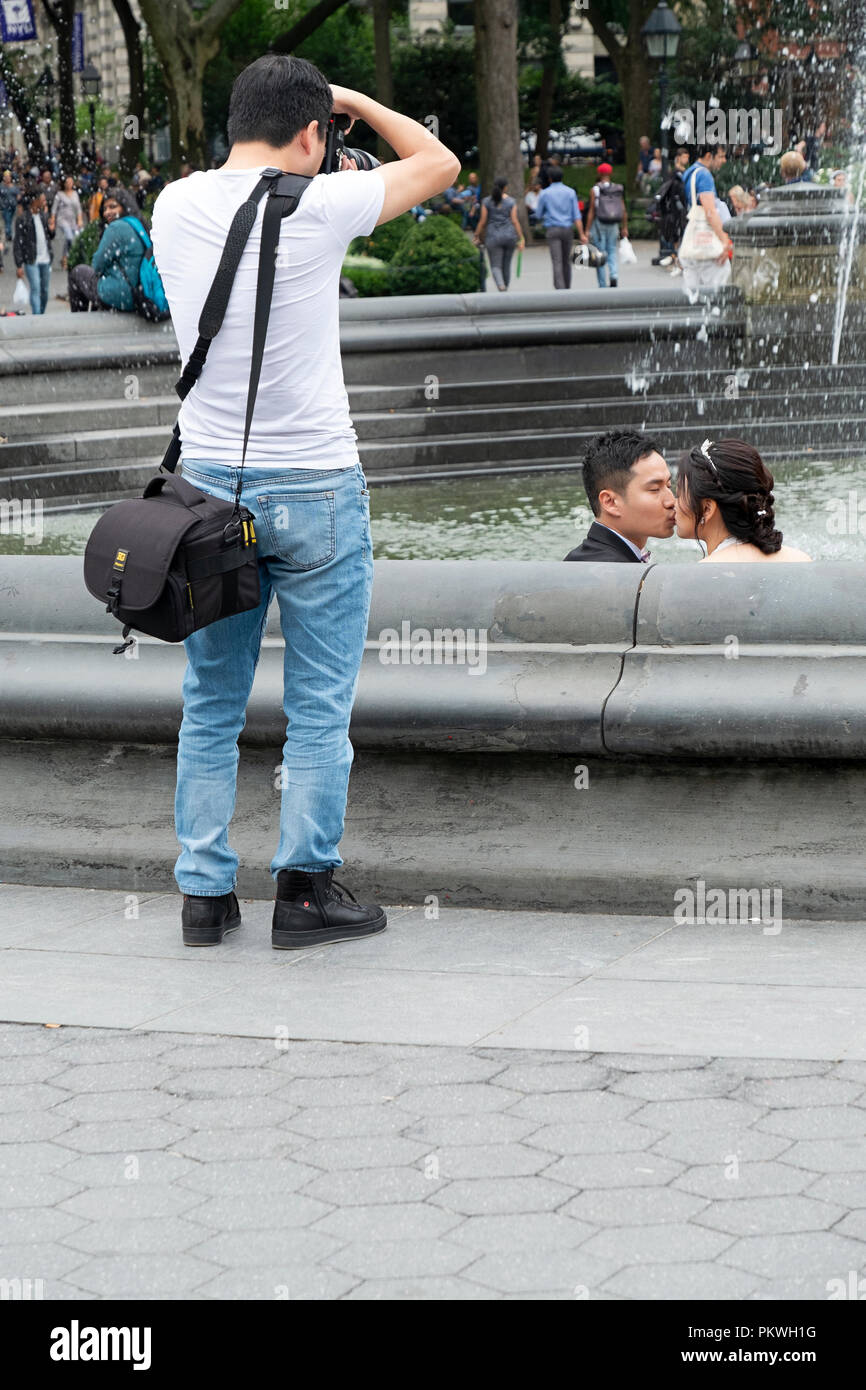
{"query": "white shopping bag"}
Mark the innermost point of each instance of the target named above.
(21, 297)
(627, 254)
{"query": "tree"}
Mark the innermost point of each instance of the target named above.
(130, 147)
(617, 23)
(61, 15)
(21, 102)
(496, 85)
(185, 42)
(384, 75)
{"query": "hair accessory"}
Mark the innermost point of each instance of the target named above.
(760, 513)
(705, 451)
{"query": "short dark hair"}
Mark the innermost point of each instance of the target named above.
(275, 97)
(710, 149)
(609, 459)
(556, 174)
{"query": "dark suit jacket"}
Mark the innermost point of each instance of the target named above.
(603, 544)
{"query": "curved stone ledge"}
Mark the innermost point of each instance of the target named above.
(713, 662)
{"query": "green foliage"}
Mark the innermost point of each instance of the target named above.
(82, 250)
(384, 240)
(435, 76)
(369, 275)
(435, 257)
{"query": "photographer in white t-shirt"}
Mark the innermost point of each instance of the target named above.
(302, 481)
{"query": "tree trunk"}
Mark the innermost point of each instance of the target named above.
(496, 86)
(185, 42)
(384, 75)
(20, 101)
(60, 15)
(636, 74)
(130, 146)
(292, 38)
(549, 74)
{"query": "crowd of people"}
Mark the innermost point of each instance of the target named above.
(42, 213)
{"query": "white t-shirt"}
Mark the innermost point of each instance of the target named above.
(43, 255)
(301, 417)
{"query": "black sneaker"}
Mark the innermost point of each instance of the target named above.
(206, 920)
(310, 910)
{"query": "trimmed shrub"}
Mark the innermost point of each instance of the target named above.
(369, 275)
(435, 257)
(383, 241)
(82, 249)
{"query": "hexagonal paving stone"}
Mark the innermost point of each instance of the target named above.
(252, 1178)
(698, 1114)
(334, 1090)
(34, 1096)
(490, 1161)
(829, 1155)
(696, 1279)
(348, 1121)
(633, 1206)
(134, 1200)
(651, 1061)
(797, 1092)
(209, 1145)
(36, 1224)
(369, 1186)
(676, 1243)
(578, 1107)
(824, 1122)
(580, 1138)
(846, 1188)
(517, 1231)
(100, 1077)
(122, 1168)
(133, 1136)
(462, 1130)
(25, 1128)
(481, 1196)
(455, 1099)
(46, 1190)
(402, 1259)
(280, 1282)
(241, 1212)
(365, 1151)
(719, 1146)
(683, 1084)
(768, 1215)
(557, 1270)
(115, 1106)
(642, 1169)
(233, 1112)
(728, 1182)
(778, 1256)
(45, 1260)
(40, 1157)
(222, 1081)
(251, 1249)
(144, 1276)
(454, 1067)
(427, 1290)
(403, 1221)
(541, 1078)
(152, 1235)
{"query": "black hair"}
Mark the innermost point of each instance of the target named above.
(499, 187)
(609, 459)
(275, 97)
(703, 150)
(736, 478)
(129, 207)
(555, 174)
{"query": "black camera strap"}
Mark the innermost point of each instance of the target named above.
(284, 193)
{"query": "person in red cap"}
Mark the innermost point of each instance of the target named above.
(606, 222)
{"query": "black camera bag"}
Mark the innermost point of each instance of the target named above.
(177, 559)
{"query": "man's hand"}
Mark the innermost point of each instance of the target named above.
(345, 102)
(21, 275)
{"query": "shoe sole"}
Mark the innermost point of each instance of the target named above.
(209, 936)
(323, 936)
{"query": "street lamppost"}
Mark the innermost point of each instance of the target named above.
(661, 34)
(91, 83)
(46, 85)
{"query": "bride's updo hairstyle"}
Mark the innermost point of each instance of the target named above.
(732, 474)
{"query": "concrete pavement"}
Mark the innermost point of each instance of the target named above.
(474, 1105)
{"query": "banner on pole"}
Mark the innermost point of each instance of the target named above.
(78, 42)
(17, 21)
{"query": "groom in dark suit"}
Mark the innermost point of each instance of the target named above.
(628, 486)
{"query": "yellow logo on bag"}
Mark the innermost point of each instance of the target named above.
(120, 559)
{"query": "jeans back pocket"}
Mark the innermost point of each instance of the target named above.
(301, 528)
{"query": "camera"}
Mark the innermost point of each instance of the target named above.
(336, 148)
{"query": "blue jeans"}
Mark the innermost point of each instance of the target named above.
(315, 554)
(605, 235)
(40, 278)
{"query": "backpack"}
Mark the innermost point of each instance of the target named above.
(609, 202)
(148, 296)
(672, 205)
